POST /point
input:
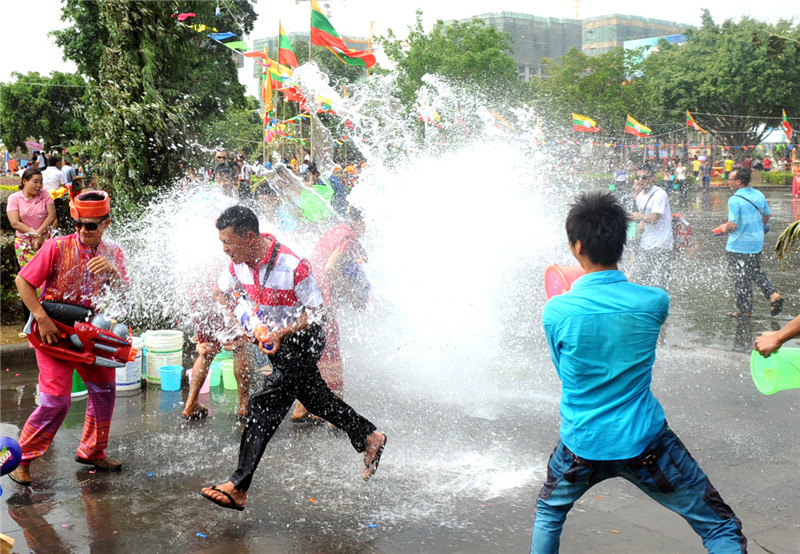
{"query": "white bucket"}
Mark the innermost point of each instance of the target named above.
(130, 376)
(163, 348)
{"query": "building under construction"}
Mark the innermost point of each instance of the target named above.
(534, 38)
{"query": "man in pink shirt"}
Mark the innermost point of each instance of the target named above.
(73, 269)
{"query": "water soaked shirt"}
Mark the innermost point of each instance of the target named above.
(280, 296)
(60, 265)
(658, 234)
(748, 238)
(602, 335)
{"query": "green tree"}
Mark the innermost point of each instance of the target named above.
(240, 129)
(734, 85)
(604, 88)
(47, 107)
(470, 53)
(155, 84)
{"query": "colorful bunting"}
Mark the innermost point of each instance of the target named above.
(221, 36)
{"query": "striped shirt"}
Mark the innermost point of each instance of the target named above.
(283, 295)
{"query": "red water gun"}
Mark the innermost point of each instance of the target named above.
(83, 341)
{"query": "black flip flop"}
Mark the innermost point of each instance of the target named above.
(232, 506)
(376, 460)
(777, 306)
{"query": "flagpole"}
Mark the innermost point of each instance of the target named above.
(311, 118)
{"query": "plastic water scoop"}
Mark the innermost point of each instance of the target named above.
(780, 371)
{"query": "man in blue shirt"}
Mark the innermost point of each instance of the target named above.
(748, 212)
(602, 336)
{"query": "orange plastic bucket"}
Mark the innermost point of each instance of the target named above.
(558, 279)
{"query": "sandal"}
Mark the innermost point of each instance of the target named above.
(372, 466)
(232, 505)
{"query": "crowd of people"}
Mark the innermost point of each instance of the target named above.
(292, 300)
(270, 299)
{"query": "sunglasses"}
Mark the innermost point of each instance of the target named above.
(222, 157)
(90, 226)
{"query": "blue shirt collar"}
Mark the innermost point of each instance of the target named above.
(599, 278)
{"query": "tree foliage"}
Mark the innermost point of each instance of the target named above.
(47, 107)
(240, 129)
(605, 88)
(156, 83)
(469, 53)
(730, 77)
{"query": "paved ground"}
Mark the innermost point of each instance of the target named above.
(460, 473)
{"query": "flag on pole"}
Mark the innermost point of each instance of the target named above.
(323, 34)
(690, 122)
(267, 93)
(584, 124)
(787, 128)
(633, 127)
(285, 53)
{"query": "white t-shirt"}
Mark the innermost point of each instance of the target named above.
(52, 178)
(658, 234)
(680, 173)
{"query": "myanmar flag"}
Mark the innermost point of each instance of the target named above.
(285, 53)
(787, 128)
(690, 122)
(633, 127)
(323, 34)
(584, 124)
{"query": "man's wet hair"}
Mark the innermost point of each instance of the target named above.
(743, 174)
(242, 219)
(600, 222)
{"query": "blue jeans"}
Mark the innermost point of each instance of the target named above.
(665, 472)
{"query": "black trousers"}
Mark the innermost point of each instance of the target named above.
(746, 270)
(294, 375)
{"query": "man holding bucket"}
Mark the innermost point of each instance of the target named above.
(602, 335)
(288, 303)
(73, 269)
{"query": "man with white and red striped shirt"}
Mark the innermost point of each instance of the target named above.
(286, 299)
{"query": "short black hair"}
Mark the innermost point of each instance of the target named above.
(28, 173)
(53, 160)
(646, 168)
(743, 175)
(600, 222)
(242, 219)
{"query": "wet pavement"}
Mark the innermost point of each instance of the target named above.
(459, 474)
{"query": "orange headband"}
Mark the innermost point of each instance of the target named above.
(81, 207)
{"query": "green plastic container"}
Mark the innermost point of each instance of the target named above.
(780, 371)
